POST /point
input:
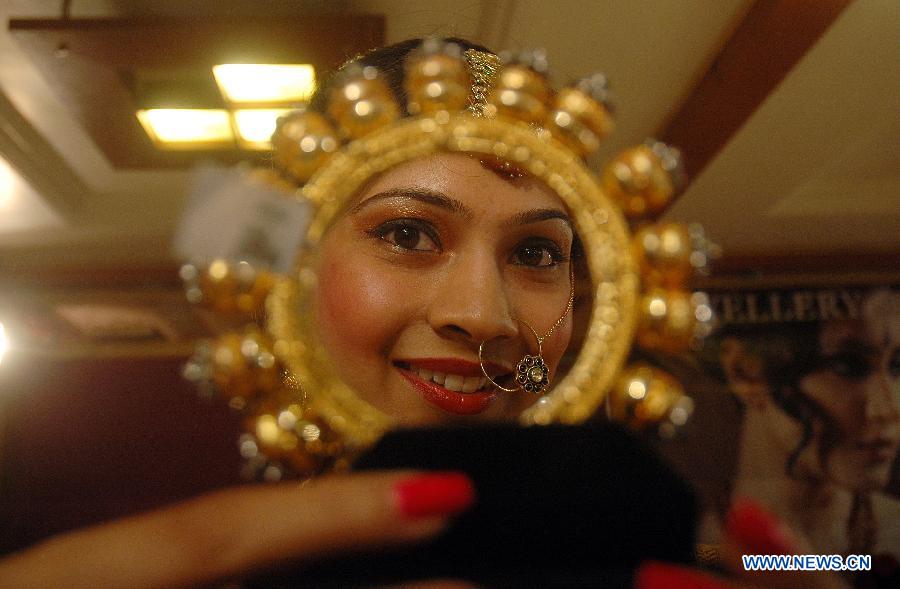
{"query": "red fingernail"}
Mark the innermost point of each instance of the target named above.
(757, 530)
(434, 494)
(660, 575)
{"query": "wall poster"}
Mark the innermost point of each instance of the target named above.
(815, 376)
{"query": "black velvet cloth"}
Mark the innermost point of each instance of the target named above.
(558, 506)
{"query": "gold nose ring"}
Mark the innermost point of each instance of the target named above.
(531, 375)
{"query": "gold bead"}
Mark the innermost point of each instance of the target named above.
(579, 121)
(303, 142)
(282, 445)
(244, 365)
(218, 285)
(295, 436)
(437, 82)
(362, 103)
(231, 373)
(235, 288)
(643, 396)
(668, 321)
(663, 251)
(637, 180)
(520, 93)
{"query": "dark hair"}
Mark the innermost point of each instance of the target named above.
(788, 354)
(391, 62)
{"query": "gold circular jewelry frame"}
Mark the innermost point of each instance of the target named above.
(598, 221)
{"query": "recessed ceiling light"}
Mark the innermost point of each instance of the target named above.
(247, 83)
(187, 128)
(4, 342)
(7, 185)
(255, 126)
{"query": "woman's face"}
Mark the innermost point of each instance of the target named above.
(859, 389)
(434, 257)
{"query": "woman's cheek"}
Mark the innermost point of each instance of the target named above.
(358, 305)
(841, 399)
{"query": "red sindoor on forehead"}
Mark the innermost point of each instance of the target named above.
(503, 168)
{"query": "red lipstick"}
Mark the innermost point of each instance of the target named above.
(455, 402)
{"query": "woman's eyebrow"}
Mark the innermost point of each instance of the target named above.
(441, 200)
(537, 215)
(425, 195)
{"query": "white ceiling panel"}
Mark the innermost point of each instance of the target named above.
(813, 170)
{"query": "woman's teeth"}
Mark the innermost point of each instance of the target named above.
(453, 382)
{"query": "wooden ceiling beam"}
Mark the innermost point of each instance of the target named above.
(767, 44)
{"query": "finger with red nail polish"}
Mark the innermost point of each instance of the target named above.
(434, 494)
(758, 531)
(752, 529)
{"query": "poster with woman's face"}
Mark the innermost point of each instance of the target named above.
(817, 373)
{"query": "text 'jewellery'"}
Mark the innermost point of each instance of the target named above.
(271, 365)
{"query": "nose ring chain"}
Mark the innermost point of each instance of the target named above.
(532, 374)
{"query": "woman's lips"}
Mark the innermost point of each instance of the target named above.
(877, 450)
(453, 385)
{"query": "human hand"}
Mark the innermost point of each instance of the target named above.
(749, 529)
(236, 531)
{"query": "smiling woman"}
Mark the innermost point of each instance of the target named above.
(437, 256)
(453, 259)
(437, 282)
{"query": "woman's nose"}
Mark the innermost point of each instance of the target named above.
(470, 301)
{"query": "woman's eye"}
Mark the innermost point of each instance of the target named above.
(894, 364)
(852, 366)
(537, 255)
(407, 235)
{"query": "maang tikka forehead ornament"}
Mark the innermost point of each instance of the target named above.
(299, 417)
